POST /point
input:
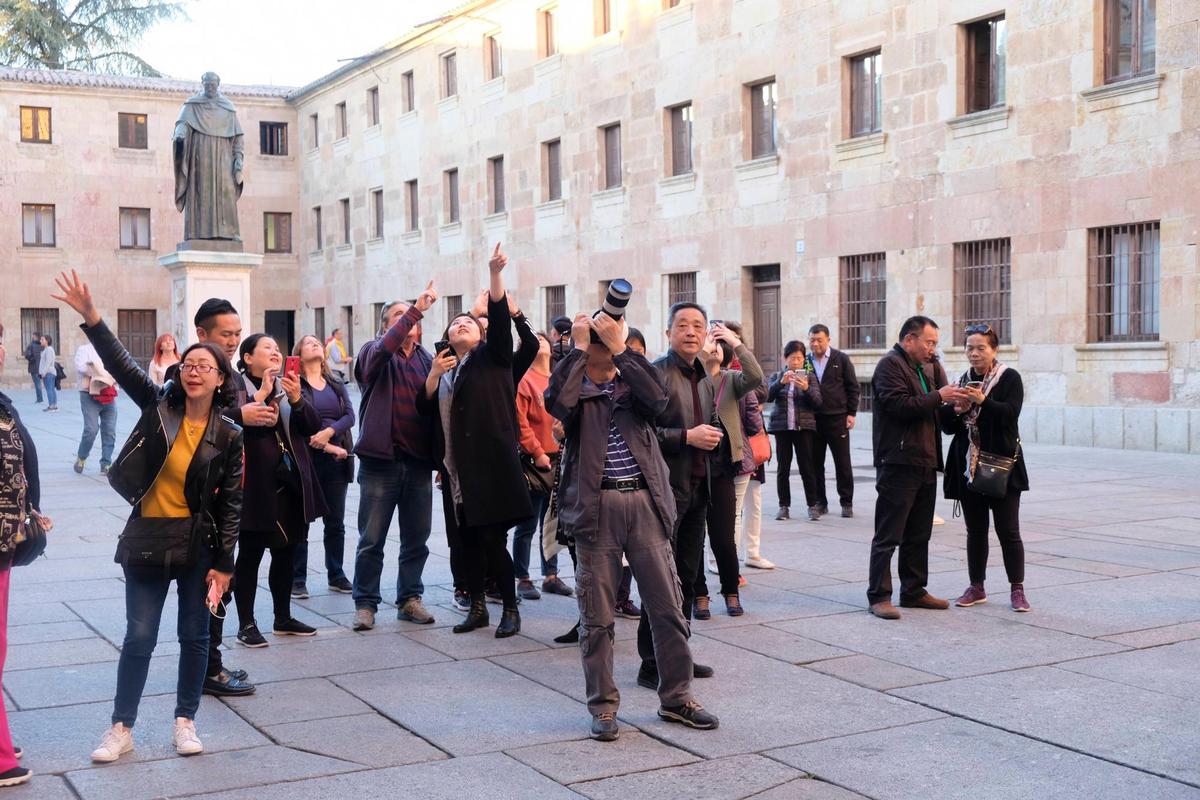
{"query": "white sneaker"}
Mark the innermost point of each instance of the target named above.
(187, 743)
(117, 741)
(712, 567)
(758, 562)
(938, 520)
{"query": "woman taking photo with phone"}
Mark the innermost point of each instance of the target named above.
(181, 470)
(795, 396)
(280, 478)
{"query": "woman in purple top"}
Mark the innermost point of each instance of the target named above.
(330, 449)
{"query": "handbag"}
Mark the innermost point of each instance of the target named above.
(60, 375)
(30, 541)
(992, 472)
(760, 445)
(541, 481)
(158, 542)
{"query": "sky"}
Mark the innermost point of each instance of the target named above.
(280, 42)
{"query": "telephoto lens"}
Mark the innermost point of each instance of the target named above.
(615, 300)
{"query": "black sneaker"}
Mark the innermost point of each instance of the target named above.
(299, 591)
(822, 508)
(240, 674)
(847, 512)
(249, 635)
(15, 776)
(340, 585)
(648, 675)
(462, 600)
(292, 627)
(604, 727)
(225, 685)
(691, 714)
(494, 597)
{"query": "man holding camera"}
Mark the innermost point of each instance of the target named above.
(616, 497)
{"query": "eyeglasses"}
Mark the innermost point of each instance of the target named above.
(203, 369)
(983, 328)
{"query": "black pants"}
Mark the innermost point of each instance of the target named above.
(689, 556)
(216, 629)
(483, 554)
(904, 519)
(802, 443)
(1006, 513)
(722, 507)
(251, 547)
(331, 475)
(832, 433)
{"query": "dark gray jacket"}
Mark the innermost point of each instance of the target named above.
(585, 412)
(807, 403)
(677, 418)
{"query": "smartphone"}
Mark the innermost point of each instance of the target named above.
(292, 365)
(214, 597)
(975, 385)
(712, 323)
(440, 345)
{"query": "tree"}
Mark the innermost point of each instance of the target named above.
(91, 35)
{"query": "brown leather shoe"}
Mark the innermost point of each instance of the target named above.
(700, 608)
(926, 601)
(885, 610)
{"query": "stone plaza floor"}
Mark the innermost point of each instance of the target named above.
(1093, 695)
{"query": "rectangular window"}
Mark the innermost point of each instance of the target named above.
(408, 92)
(553, 152)
(348, 326)
(450, 186)
(314, 124)
(763, 100)
(339, 118)
(866, 396)
(603, 16)
(37, 225)
(344, 208)
(983, 287)
(453, 306)
(131, 131)
(412, 206)
(863, 300)
(1123, 283)
(42, 322)
(496, 185)
(319, 324)
(318, 234)
(35, 125)
(1129, 39)
(985, 60)
(272, 138)
(493, 57)
(681, 139)
(547, 32)
(556, 302)
(135, 228)
(449, 75)
(372, 106)
(681, 288)
(866, 99)
(611, 138)
(377, 213)
(277, 231)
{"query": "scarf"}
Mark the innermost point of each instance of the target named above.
(971, 420)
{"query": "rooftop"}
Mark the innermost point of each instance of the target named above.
(93, 80)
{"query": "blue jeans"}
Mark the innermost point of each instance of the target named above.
(385, 486)
(37, 384)
(97, 418)
(331, 475)
(523, 537)
(145, 592)
(51, 392)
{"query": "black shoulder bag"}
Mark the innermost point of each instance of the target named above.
(992, 472)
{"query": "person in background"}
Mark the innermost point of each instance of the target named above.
(987, 423)
(834, 419)
(335, 353)
(331, 448)
(20, 494)
(560, 339)
(33, 361)
(97, 401)
(795, 396)
(48, 372)
(166, 353)
(748, 485)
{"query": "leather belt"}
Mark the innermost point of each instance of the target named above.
(624, 484)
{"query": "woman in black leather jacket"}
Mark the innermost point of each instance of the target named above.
(183, 460)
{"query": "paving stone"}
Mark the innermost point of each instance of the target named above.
(586, 759)
(776, 643)
(1142, 729)
(1098, 567)
(295, 701)
(48, 632)
(37, 614)
(469, 707)
(785, 578)
(1169, 670)
(41, 787)
(368, 739)
(494, 776)
(46, 570)
(54, 591)
(56, 654)
(1153, 637)
(211, 772)
(873, 673)
(764, 604)
(61, 739)
(476, 644)
(951, 643)
(913, 762)
(83, 683)
(807, 789)
(323, 657)
(1133, 555)
(720, 779)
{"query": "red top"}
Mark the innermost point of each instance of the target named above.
(535, 421)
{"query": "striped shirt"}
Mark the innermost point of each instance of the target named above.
(619, 463)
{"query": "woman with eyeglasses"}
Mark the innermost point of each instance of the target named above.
(183, 460)
(987, 423)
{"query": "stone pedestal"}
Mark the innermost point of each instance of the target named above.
(197, 275)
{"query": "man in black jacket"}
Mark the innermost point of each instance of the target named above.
(615, 497)
(909, 391)
(33, 357)
(835, 420)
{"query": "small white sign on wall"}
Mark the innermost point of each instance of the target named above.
(799, 247)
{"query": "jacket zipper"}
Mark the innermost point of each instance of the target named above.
(140, 442)
(163, 427)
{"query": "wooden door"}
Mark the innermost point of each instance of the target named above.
(138, 330)
(768, 327)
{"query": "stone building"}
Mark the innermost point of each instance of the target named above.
(853, 162)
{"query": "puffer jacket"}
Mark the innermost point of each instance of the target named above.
(807, 404)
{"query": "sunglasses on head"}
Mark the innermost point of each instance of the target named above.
(982, 328)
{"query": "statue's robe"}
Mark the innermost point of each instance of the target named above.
(207, 187)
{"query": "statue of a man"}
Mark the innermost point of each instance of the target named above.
(208, 152)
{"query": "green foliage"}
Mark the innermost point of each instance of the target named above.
(90, 35)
